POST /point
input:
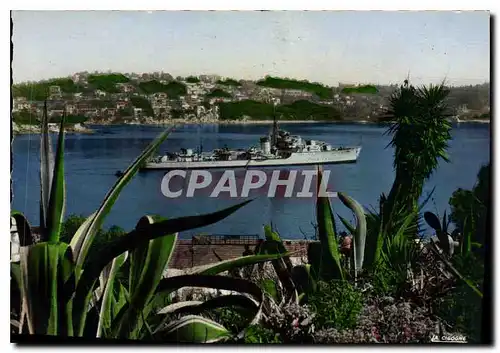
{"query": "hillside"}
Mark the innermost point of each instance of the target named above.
(280, 83)
(218, 93)
(229, 82)
(107, 83)
(39, 91)
(172, 89)
(298, 100)
(299, 110)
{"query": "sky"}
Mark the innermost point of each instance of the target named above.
(321, 46)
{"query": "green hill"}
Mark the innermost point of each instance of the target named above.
(299, 110)
(107, 83)
(143, 103)
(192, 79)
(229, 82)
(315, 88)
(306, 110)
(172, 89)
(366, 89)
(70, 119)
(25, 118)
(218, 93)
(236, 110)
(39, 91)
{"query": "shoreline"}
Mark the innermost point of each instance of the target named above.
(262, 122)
(35, 129)
(23, 130)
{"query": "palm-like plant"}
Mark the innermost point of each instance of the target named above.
(420, 134)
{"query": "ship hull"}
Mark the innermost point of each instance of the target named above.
(327, 157)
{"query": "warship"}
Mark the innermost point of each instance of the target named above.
(279, 148)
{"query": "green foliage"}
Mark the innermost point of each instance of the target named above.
(299, 110)
(336, 304)
(107, 83)
(192, 79)
(261, 335)
(231, 319)
(391, 252)
(70, 119)
(282, 266)
(280, 83)
(469, 207)
(236, 110)
(306, 110)
(25, 118)
(73, 222)
(67, 85)
(269, 287)
(218, 93)
(125, 112)
(172, 89)
(38, 91)
(461, 308)
(366, 89)
(31, 91)
(144, 104)
(70, 226)
(398, 256)
(229, 82)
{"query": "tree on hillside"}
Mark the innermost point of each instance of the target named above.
(192, 79)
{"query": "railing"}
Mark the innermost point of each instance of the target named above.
(224, 239)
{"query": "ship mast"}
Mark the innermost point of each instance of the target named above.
(275, 124)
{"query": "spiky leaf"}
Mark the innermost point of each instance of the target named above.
(331, 267)
(112, 196)
(23, 229)
(108, 301)
(359, 235)
(55, 211)
(46, 171)
(194, 329)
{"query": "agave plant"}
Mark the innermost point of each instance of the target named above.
(64, 293)
(324, 257)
